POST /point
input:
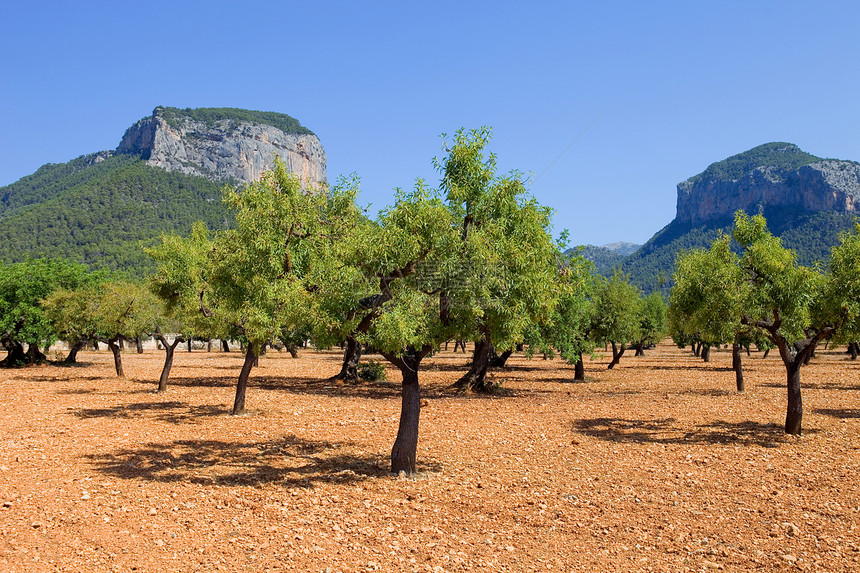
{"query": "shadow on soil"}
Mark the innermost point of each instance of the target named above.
(839, 412)
(173, 412)
(663, 431)
(289, 461)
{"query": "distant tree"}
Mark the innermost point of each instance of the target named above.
(652, 321)
(23, 289)
(844, 290)
(706, 299)
(569, 329)
(616, 314)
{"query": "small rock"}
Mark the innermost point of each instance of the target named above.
(36, 524)
(789, 558)
(153, 511)
(712, 565)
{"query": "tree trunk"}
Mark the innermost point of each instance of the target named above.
(737, 366)
(169, 349)
(617, 353)
(579, 370)
(351, 356)
(35, 355)
(225, 346)
(113, 344)
(405, 448)
(697, 348)
(15, 355)
(208, 345)
(852, 350)
(766, 352)
(476, 378)
(189, 345)
(139, 343)
(639, 350)
(242, 384)
(499, 360)
(72, 357)
(706, 352)
(794, 413)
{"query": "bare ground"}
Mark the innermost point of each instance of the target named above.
(657, 465)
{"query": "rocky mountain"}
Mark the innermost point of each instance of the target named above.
(166, 173)
(225, 143)
(773, 175)
(807, 201)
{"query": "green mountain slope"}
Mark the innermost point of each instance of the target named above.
(101, 213)
(810, 234)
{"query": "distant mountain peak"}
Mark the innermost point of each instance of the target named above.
(225, 143)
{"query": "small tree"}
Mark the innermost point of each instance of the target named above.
(616, 314)
(707, 297)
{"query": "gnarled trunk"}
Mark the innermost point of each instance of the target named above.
(72, 357)
(500, 360)
(35, 355)
(225, 346)
(351, 356)
(404, 451)
(114, 346)
(476, 378)
(639, 349)
(169, 350)
(617, 353)
(852, 350)
(139, 342)
(242, 384)
(15, 355)
(706, 352)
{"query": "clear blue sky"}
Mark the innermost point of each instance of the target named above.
(673, 86)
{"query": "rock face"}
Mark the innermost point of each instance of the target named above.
(221, 147)
(775, 174)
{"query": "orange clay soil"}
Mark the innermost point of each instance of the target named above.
(657, 465)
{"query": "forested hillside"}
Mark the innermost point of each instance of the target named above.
(100, 213)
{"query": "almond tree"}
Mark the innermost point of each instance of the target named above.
(258, 278)
(507, 257)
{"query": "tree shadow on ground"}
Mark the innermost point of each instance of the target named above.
(173, 412)
(839, 412)
(664, 431)
(698, 366)
(290, 461)
(74, 391)
(815, 385)
(56, 378)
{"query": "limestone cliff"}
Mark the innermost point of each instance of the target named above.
(771, 175)
(225, 143)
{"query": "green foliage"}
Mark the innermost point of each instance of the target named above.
(652, 318)
(231, 116)
(707, 296)
(23, 288)
(810, 235)
(100, 214)
(843, 292)
(107, 310)
(617, 310)
(507, 257)
(779, 155)
(372, 370)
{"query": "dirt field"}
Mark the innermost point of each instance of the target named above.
(657, 465)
